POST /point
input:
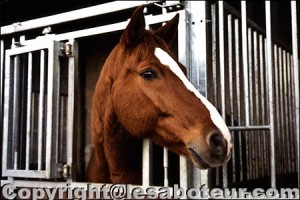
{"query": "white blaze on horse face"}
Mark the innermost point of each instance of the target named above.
(216, 118)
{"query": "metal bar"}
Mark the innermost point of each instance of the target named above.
(237, 73)
(281, 103)
(250, 114)
(296, 82)
(266, 103)
(293, 108)
(73, 64)
(29, 110)
(166, 165)
(245, 60)
(214, 52)
(249, 128)
(41, 116)
(52, 121)
(256, 105)
(277, 90)
(98, 30)
(16, 109)
(214, 66)
(25, 173)
(31, 45)
(222, 75)
(71, 16)
(290, 110)
(183, 55)
(146, 162)
(285, 134)
(33, 142)
(230, 77)
(2, 61)
(270, 94)
(198, 60)
(262, 97)
(7, 111)
(222, 58)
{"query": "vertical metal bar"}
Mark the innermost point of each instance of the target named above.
(288, 111)
(147, 152)
(293, 109)
(214, 52)
(221, 57)
(277, 90)
(16, 110)
(214, 67)
(7, 117)
(256, 104)
(281, 104)
(2, 60)
(41, 116)
(32, 143)
(29, 110)
(245, 75)
(222, 75)
(270, 94)
(166, 165)
(198, 61)
(52, 103)
(71, 104)
(262, 97)
(146, 162)
(245, 60)
(285, 134)
(183, 55)
(266, 103)
(2, 55)
(237, 71)
(296, 82)
(290, 118)
(250, 114)
(230, 77)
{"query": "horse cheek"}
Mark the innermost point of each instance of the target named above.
(136, 113)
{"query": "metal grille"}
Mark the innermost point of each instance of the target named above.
(252, 82)
(31, 111)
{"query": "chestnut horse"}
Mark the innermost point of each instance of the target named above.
(142, 92)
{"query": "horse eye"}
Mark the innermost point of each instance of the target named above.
(149, 74)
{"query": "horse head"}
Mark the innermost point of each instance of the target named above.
(144, 88)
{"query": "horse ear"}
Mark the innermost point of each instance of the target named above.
(169, 30)
(135, 30)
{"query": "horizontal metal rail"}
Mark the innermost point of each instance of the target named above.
(71, 16)
(100, 29)
(249, 128)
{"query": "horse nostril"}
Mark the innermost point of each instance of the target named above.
(217, 144)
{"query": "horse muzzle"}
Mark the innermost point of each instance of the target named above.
(216, 151)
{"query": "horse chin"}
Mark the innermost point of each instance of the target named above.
(197, 160)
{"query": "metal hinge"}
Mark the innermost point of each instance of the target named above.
(64, 170)
(66, 49)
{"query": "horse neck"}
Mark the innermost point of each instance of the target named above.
(124, 155)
